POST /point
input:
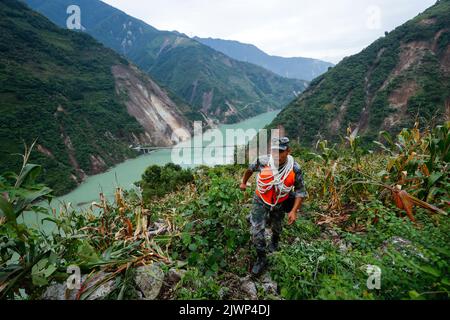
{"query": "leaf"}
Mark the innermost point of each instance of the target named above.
(434, 177)
(87, 254)
(28, 174)
(29, 197)
(431, 271)
(407, 204)
(403, 200)
(284, 293)
(414, 295)
(387, 137)
(186, 238)
(41, 271)
(6, 209)
(446, 281)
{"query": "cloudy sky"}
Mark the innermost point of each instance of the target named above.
(322, 29)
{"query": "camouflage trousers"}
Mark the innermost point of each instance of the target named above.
(263, 216)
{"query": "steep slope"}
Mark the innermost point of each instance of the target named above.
(218, 86)
(399, 77)
(295, 68)
(83, 102)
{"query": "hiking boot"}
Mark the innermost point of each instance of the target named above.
(260, 264)
(273, 246)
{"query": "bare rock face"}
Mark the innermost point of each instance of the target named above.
(161, 118)
(149, 281)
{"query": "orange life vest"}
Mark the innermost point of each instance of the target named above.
(271, 195)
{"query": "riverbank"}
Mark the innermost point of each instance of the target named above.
(124, 175)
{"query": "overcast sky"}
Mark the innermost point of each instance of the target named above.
(322, 29)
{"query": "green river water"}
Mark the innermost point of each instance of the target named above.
(128, 172)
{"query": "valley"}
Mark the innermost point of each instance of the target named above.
(129, 168)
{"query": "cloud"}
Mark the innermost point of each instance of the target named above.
(323, 29)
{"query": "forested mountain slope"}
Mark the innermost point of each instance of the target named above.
(400, 78)
(83, 102)
(215, 84)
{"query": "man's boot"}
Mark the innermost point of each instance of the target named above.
(260, 264)
(273, 246)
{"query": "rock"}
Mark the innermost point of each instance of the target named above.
(103, 290)
(343, 246)
(404, 246)
(333, 233)
(174, 276)
(249, 288)
(149, 280)
(269, 286)
(160, 227)
(59, 291)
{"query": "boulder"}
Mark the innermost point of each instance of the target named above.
(248, 287)
(149, 280)
(269, 286)
(174, 276)
(59, 291)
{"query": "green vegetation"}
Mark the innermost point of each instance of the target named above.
(158, 181)
(356, 216)
(205, 78)
(408, 62)
(56, 86)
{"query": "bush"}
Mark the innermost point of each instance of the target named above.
(158, 181)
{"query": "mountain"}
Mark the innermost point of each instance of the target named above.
(216, 85)
(296, 68)
(400, 78)
(84, 102)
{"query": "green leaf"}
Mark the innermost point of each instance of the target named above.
(186, 238)
(414, 295)
(87, 254)
(284, 293)
(6, 209)
(430, 270)
(28, 174)
(434, 177)
(28, 197)
(41, 271)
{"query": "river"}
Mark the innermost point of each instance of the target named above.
(130, 171)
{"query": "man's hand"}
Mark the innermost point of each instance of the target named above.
(292, 217)
(247, 176)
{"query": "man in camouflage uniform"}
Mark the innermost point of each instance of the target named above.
(272, 215)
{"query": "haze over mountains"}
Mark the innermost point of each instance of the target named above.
(296, 67)
(399, 79)
(216, 85)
